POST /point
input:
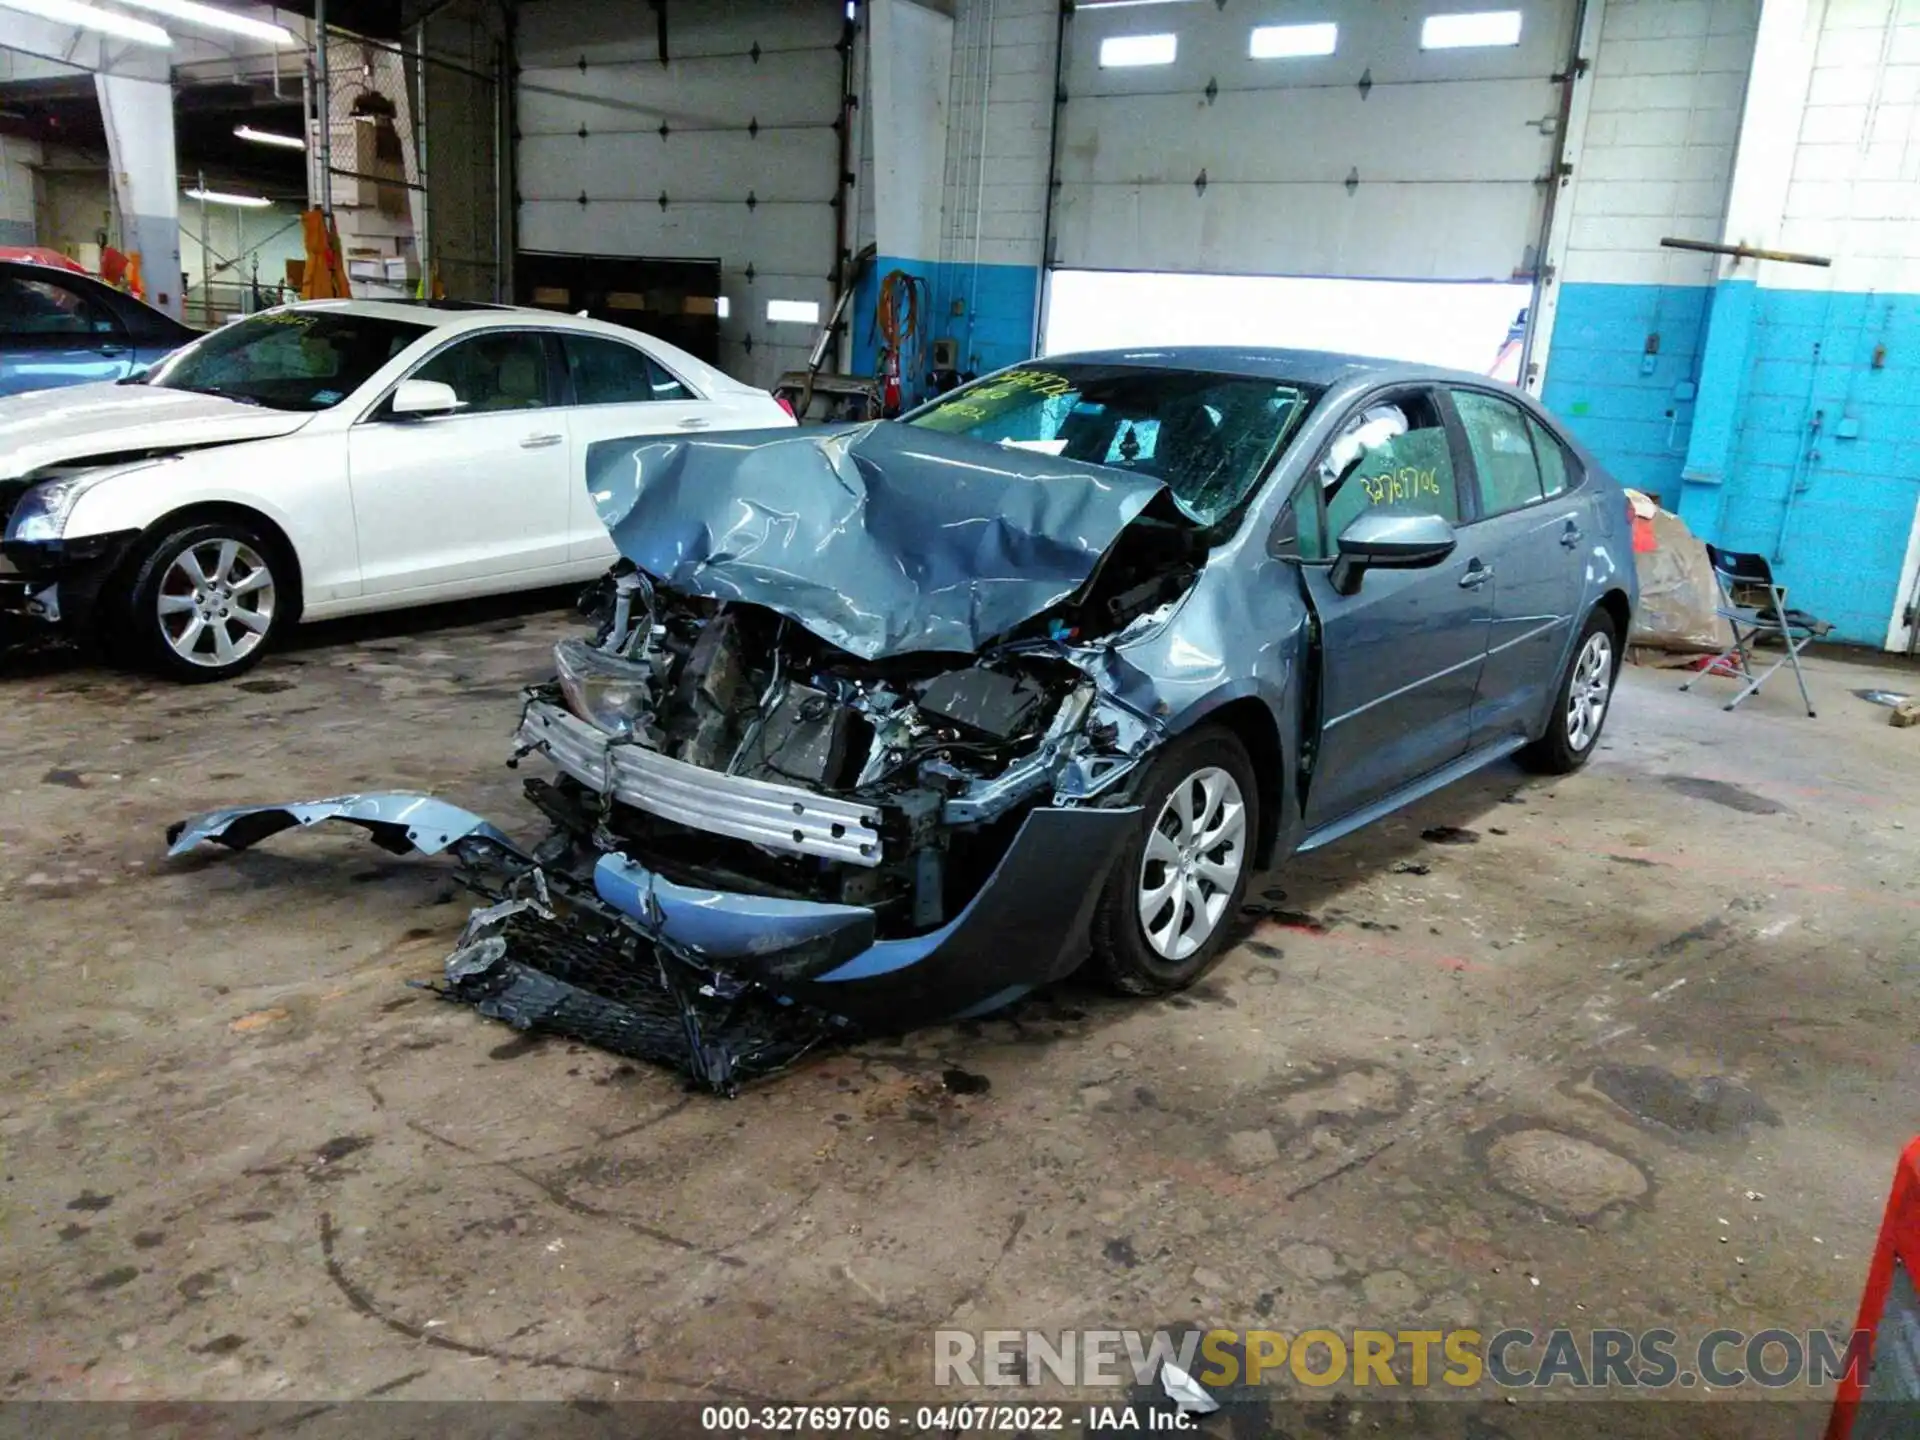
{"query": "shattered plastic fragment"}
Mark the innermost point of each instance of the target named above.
(1186, 1392)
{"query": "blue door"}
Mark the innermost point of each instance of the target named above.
(1402, 654)
(1530, 529)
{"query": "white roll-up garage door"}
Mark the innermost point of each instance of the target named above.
(728, 151)
(1383, 159)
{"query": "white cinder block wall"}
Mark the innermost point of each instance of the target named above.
(984, 283)
(1808, 417)
(1656, 159)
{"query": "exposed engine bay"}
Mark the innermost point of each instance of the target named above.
(939, 756)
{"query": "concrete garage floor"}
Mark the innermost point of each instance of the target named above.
(1522, 1081)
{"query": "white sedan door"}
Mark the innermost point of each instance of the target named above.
(619, 390)
(477, 500)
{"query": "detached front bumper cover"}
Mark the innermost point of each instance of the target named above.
(721, 985)
(548, 955)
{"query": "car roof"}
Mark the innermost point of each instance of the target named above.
(1325, 368)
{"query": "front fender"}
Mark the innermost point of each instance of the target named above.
(298, 482)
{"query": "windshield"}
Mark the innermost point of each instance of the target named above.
(1208, 436)
(287, 359)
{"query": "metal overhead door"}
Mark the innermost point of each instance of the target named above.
(728, 150)
(1381, 159)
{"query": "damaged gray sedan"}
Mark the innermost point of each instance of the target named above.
(893, 723)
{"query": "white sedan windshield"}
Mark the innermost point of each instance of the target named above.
(287, 359)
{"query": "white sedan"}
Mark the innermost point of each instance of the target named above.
(327, 459)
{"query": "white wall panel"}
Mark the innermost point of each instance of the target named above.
(1446, 150)
(783, 165)
(1301, 229)
(738, 124)
(1659, 141)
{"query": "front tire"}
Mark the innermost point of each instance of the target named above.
(205, 601)
(1170, 901)
(1581, 702)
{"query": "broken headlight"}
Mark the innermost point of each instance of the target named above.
(603, 690)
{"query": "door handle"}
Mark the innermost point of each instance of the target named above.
(1476, 576)
(110, 349)
(1570, 536)
(540, 442)
(694, 422)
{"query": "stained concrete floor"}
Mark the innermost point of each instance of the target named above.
(1632, 1048)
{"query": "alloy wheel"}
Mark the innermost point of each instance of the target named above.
(216, 602)
(1590, 690)
(1193, 860)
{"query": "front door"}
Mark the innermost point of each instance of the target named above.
(456, 502)
(1402, 654)
(1528, 529)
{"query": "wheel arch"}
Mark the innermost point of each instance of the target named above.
(1620, 610)
(211, 511)
(1250, 721)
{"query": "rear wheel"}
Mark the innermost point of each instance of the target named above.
(1581, 703)
(1171, 898)
(205, 601)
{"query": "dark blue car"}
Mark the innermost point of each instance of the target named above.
(892, 723)
(62, 328)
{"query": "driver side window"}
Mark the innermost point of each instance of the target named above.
(506, 371)
(1392, 455)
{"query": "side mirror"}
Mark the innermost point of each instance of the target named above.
(419, 398)
(1381, 539)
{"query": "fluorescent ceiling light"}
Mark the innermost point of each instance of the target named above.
(1122, 50)
(269, 137)
(1285, 42)
(800, 312)
(1479, 27)
(221, 197)
(194, 13)
(1124, 4)
(88, 17)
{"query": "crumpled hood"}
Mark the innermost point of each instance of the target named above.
(45, 427)
(883, 539)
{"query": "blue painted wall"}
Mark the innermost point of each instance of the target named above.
(994, 328)
(1631, 409)
(1832, 511)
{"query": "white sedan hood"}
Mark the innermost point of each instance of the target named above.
(75, 422)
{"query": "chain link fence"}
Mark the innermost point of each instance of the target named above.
(414, 155)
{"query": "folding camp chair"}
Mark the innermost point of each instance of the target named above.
(1756, 607)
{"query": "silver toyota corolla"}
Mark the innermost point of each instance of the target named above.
(899, 721)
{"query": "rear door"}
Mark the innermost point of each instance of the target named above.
(52, 333)
(1400, 656)
(477, 499)
(619, 390)
(1528, 527)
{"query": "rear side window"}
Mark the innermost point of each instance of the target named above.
(1394, 456)
(1552, 455)
(665, 384)
(605, 372)
(1497, 432)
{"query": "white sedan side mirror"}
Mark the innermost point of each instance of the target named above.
(424, 397)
